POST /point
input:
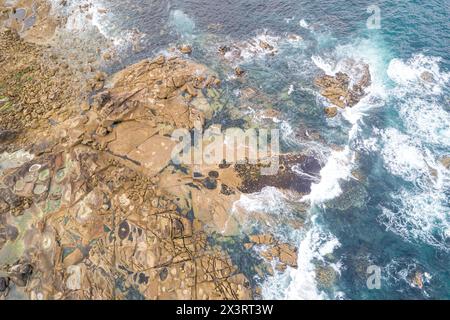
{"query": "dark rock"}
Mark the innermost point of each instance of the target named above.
(226, 190)
(287, 178)
(4, 284)
(124, 230)
(163, 274)
(21, 273)
(7, 135)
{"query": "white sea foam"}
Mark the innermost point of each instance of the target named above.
(301, 283)
(341, 163)
(325, 66)
(268, 200)
(182, 23)
(86, 17)
(418, 99)
(337, 168)
(420, 216)
(287, 133)
(415, 72)
(404, 156)
(14, 160)
(303, 24)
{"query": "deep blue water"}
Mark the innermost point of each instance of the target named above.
(398, 217)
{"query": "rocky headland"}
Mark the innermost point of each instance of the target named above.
(92, 205)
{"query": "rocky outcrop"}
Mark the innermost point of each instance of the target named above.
(296, 173)
(99, 222)
(345, 89)
(30, 18)
(37, 91)
(100, 211)
(272, 250)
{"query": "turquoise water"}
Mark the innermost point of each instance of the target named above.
(398, 217)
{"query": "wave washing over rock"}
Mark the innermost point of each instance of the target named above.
(95, 205)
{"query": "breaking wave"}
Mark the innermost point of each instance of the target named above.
(420, 212)
(317, 241)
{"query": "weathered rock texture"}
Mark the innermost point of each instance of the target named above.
(99, 210)
(342, 90)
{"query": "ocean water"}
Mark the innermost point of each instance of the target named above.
(398, 217)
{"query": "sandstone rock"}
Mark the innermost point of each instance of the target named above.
(337, 88)
(331, 112)
(262, 239)
(427, 76)
(185, 49)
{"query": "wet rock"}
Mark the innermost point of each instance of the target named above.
(427, 76)
(163, 274)
(224, 49)
(265, 45)
(11, 232)
(107, 56)
(295, 172)
(124, 230)
(239, 72)
(226, 190)
(4, 206)
(21, 273)
(4, 284)
(185, 49)
(331, 112)
(7, 135)
(326, 276)
(340, 91)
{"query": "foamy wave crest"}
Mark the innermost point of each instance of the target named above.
(14, 160)
(182, 23)
(341, 163)
(337, 168)
(405, 157)
(84, 16)
(421, 212)
(420, 216)
(268, 200)
(420, 84)
(420, 70)
(301, 283)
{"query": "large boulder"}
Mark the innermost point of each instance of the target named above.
(345, 89)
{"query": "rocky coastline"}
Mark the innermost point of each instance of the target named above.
(92, 205)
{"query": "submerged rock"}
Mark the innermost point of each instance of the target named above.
(296, 172)
(446, 162)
